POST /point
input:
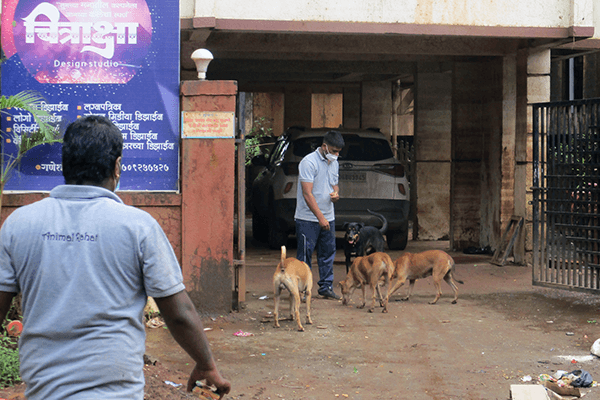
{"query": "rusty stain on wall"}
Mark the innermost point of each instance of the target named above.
(169, 219)
(211, 281)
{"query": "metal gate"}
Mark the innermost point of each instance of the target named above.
(566, 193)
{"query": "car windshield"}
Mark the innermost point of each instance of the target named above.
(356, 149)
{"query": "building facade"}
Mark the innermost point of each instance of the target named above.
(467, 70)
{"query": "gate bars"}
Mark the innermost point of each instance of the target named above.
(566, 193)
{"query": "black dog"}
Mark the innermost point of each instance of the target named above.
(361, 240)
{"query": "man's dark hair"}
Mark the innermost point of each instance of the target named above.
(334, 138)
(91, 146)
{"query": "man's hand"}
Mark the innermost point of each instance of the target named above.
(335, 196)
(184, 324)
(323, 223)
(213, 377)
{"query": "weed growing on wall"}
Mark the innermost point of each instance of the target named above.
(255, 140)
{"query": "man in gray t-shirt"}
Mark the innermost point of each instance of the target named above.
(85, 264)
(318, 179)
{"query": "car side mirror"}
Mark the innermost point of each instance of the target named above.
(260, 161)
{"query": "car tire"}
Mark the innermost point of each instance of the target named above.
(260, 228)
(397, 240)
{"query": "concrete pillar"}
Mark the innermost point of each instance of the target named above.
(523, 160)
(538, 91)
(376, 107)
(207, 188)
(433, 137)
(538, 80)
(514, 145)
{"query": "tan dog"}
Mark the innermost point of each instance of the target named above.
(413, 266)
(372, 270)
(295, 276)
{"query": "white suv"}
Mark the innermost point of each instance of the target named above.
(370, 178)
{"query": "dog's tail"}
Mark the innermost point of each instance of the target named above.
(451, 261)
(283, 257)
(383, 229)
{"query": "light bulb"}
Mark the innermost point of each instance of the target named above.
(202, 57)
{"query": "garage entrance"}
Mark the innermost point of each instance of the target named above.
(566, 195)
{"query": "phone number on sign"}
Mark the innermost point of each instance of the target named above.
(145, 167)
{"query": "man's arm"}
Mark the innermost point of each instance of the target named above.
(5, 301)
(307, 188)
(186, 327)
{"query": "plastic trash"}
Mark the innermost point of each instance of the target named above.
(545, 377)
(14, 328)
(595, 350)
(583, 378)
(243, 334)
(205, 392)
(559, 374)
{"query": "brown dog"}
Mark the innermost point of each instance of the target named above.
(372, 270)
(413, 266)
(295, 276)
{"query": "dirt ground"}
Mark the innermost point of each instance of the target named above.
(502, 331)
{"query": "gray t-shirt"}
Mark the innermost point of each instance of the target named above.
(324, 176)
(85, 264)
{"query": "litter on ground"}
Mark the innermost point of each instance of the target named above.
(243, 334)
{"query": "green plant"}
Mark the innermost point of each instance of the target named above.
(9, 362)
(255, 139)
(44, 134)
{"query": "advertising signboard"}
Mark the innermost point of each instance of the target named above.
(117, 58)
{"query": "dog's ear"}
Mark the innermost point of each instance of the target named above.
(361, 225)
(345, 225)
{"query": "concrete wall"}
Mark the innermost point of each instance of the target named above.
(433, 135)
(376, 106)
(505, 13)
(351, 107)
(477, 153)
(297, 106)
(468, 154)
(199, 220)
(164, 207)
(470, 149)
(591, 75)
